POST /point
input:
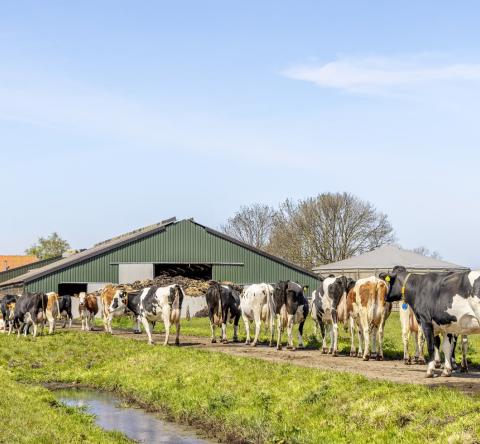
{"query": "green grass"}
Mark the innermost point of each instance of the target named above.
(237, 399)
(393, 346)
(31, 414)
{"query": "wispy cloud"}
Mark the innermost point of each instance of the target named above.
(377, 74)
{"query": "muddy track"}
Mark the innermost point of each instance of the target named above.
(390, 370)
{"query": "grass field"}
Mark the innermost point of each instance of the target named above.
(236, 399)
(393, 346)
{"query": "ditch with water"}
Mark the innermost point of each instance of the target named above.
(137, 424)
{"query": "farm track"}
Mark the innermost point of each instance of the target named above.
(390, 370)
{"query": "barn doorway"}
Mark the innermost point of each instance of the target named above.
(71, 289)
(193, 271)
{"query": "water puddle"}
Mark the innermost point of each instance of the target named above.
(134, 423)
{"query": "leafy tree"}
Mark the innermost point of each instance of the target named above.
(48, 247)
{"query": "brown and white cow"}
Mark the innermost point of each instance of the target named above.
(410, 325)
(370, 311)
(52, 311)
(107, 295)
(88, 308)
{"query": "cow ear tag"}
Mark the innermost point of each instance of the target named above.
(387, 278)
(404, 306)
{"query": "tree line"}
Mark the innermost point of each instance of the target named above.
(314, 231)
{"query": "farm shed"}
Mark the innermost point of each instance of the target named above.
(177, 247)
(383, 259)
(18, 270)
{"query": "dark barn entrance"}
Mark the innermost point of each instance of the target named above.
(193, 271)
(71, 289)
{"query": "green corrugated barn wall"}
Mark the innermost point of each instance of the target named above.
(183, 242)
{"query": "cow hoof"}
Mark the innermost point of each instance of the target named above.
(407, 361)
(291, 348)
(463, 369)
(151, 343)
(446, 373)
(438, 364)
(324, 351)
(247, 342)
(335, 353)
(271, 344)
(353, 354)
(279, 347)
(379, 358)
(301, 346)
(366, 358)
(214, 340)
(254, 344)
(429, 375)
(224, 341)
(235, 340)
(177, 342)
(137, 332)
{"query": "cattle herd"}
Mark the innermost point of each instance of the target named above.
(433, 306)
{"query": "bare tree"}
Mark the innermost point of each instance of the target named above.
(424, 251)
(327, 228)
(251, 224)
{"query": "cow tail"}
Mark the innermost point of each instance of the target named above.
(58, 306)
(219, 307)
(375, 301)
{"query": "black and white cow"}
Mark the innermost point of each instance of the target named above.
(443, 303)
(329, 307)
(124, 302)
(290, 306)
(254, 307)
(7, 306)
(30, 309)
(223, 303)
(65, 309)
(162, 303)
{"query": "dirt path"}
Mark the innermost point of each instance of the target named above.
(391, 370)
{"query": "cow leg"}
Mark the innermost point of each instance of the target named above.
(335, 333)
(366, 343)
(330, 331)
(212, 329)
(447, 346)
(235, 327)
(166, 322)
(51, 322)
(351, 325)
(70, 318)
(137, 325)
(380, 332)
(373, 341)
(361, 341)
(427, 328)
(271, 321)
(323, 329)
(300, 334)
(290, 320)
(177, 330)
(35, 329)
(452, 358)
(279, 332)
(437, 352)
(420, 344)
(405, 324)
(247, 328)
(464, 365)
(224, 325)
(146, 326)
(258, 326)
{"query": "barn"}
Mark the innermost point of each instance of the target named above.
(182, 247)
(383, 259)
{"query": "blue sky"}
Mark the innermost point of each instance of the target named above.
(115, 115)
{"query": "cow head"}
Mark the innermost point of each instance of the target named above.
(395, 281)
(82, 296)
(119, 301)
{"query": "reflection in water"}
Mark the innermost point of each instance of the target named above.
(134, 423)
